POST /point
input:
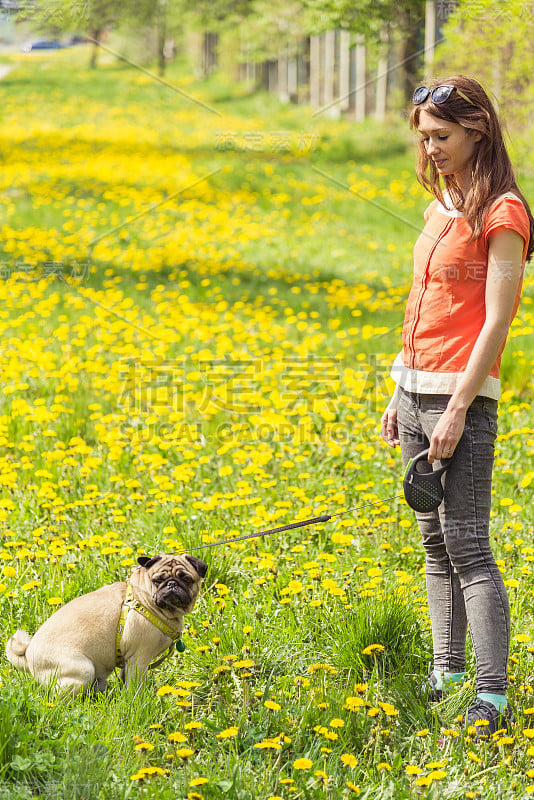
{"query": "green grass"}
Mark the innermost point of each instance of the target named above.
(268, 262)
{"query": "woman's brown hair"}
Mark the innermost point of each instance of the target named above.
(492, 171)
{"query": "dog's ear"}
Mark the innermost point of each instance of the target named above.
(147, 562)
(199, 565)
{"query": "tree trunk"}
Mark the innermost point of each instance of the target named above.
(96, 37)
(382, 76)
(315, 71)
(411, 23)
(344, 70)
(161, 36)
(360, 78)
(283, 93)
(430, 36)
(330, 73)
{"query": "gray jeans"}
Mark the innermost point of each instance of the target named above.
(464, 584)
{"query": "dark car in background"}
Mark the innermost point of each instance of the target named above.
(41, 44)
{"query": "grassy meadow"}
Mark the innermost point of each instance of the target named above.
(202, 292)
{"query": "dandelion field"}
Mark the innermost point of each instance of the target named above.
(200, 305)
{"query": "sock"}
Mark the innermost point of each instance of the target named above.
(498, 700)
(446, 680)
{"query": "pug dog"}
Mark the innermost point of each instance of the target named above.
(76, 646)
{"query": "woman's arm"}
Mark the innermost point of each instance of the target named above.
(390, 430)
(504, 273)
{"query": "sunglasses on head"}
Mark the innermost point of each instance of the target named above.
(438, 95)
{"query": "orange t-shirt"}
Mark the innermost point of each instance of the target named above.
(446, 306)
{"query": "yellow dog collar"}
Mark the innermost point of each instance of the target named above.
(131, 603)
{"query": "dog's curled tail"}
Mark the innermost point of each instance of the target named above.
(16, 650)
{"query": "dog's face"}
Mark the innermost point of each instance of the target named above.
(173, 581)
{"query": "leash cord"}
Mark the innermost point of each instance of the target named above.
(301, 524)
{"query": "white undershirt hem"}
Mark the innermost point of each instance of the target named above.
(420, 382)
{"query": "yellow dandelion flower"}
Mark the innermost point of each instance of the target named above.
(185, 752)
(228, 733)
(473, 757)
(423, 781)
(293, 587)
(268, 744)
(272, 705)
(354, 703)
(412, 769)
(384, 765)
(302, 763)
(437, 774)
(337, 723)
(177, 737)
(163, 690)
(154, 771)
(373, 648)
(322, 668)
(349, 760)
(353, 787)
(388, 709)
(198, 781)
(31, 585)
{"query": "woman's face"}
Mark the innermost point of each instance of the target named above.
(450, 146)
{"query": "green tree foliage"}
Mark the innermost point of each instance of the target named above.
(491, 41)
(272, 25)
(366, 16)
(90, 18)
(402, 20)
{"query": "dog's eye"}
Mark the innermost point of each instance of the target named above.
(185, 578)
(157, 581)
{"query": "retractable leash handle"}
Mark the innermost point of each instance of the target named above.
(423, 490)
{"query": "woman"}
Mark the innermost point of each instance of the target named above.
(468, 270)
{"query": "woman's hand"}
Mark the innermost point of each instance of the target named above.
(390, 430)
(447, 434)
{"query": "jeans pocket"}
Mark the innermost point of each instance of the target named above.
(490, 412)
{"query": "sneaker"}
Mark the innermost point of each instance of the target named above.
(428, 688)
(487, 719)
